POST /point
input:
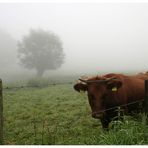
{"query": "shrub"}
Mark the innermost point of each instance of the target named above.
(38, 83)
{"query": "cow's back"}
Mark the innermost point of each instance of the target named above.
(132, 89)
(135, 93)
(135, 88)
(143, 76)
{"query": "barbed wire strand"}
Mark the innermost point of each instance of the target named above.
(122, 105)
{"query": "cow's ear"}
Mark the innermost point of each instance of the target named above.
(80, 86)
(114, 85)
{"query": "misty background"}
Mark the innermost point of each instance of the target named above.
(97, 38)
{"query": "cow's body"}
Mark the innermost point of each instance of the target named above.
(104, 93)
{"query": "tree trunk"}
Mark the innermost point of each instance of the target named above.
(40, 72)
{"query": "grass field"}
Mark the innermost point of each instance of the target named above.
(58, 115)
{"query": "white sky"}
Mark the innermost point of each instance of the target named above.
(96, 36)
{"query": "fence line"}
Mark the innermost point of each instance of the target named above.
(33, 86)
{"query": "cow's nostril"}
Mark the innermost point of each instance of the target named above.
(96, 115)
(93, 115)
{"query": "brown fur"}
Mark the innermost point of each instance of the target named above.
(101, 96)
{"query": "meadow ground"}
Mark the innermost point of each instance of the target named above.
(58, 115)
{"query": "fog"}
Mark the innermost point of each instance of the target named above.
(97, 38)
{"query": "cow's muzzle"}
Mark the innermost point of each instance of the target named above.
(97, 115)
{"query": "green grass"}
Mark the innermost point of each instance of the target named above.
(59, 115)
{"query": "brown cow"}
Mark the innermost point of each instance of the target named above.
(112, 90)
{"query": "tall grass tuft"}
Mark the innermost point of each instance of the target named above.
(128, 132)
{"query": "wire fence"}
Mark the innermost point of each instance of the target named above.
(122, 105)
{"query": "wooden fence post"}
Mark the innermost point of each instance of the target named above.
(146, 100)
(146, 97)
(1, 113)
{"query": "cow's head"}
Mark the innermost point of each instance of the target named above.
(98, 89)
(80, 86)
